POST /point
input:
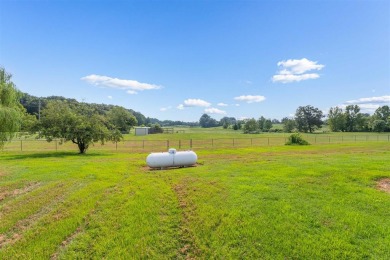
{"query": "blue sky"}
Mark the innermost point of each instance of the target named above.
(179, 59)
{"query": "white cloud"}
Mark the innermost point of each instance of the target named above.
(376, 100)
(368, 105)
(125, 84)
(163, 109)
(250, 98)
(295, 70)
(109, 97)
(299, 66)
(180, 107)
(222, 104)
(213, 110)
(196, 103)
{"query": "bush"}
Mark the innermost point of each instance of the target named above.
(296, 139)
(156, 129)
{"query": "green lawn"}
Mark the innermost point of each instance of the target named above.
(273, 202)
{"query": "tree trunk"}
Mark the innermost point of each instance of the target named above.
(82, 147)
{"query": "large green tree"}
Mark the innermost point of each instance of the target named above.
(77, 123)
(207, 121)
(227, 121)
(308, 118)
(353, 118)
(336, 119)
(380, 120)
(264, 124)
(11, 112)
(288, 124)
(251, 126)
(121, 119)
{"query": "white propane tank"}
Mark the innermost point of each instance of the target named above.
(172, 158)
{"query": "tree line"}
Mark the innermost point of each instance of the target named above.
(308, 119)
(84, 124)
(32, 104)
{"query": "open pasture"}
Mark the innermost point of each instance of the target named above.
(273, 202)
(193, 138)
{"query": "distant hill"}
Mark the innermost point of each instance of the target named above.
(31, 103)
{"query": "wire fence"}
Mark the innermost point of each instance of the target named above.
(186, 144)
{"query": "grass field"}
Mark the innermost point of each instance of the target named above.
(276, 202)
(193, 138)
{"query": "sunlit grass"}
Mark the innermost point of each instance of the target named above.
(193, 138)
(274, 202)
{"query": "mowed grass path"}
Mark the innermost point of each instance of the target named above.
(277, 202)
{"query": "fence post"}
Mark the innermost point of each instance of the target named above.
(355, 138)
(56, 146)
(268, 140)
(315, 139)
(116, 146)
(179, 144)
(21, 145)
(329, 139)
(167, 144)
(191, 143)
(388, 138)
(342, 139)
(143, 144)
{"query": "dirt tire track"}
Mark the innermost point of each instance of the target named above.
(16, 232)
(85, 222)
(16, 192)
(81, 228)
(189, 249)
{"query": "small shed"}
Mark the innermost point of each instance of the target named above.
(142, 130)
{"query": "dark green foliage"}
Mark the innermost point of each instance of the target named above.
(11, 112)
(379, 126)
(336, 119)
(121, 119)
(77, 123)
(155, 129)
(227, 121)
(264, 125)
(31, 104)
(308, 118)
(206, 121)
(381, 119)
(353, 118)
(296, 139)
(288, 125)
(251, 127)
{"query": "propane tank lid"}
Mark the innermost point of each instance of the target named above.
(172, 151)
